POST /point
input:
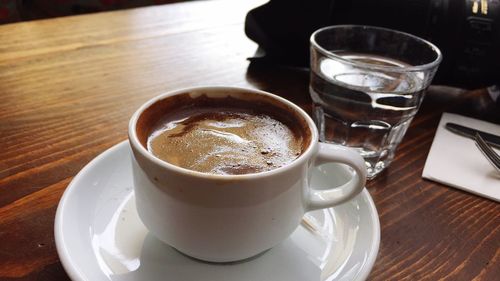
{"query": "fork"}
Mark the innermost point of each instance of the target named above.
(488, 152)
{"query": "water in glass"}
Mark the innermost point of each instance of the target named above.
(365, 109)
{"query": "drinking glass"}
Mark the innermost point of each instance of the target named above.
(367, 84)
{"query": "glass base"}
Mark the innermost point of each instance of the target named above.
(375, 161)
(375, 170)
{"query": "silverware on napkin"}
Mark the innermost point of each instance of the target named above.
(488, 152)
(491, 139)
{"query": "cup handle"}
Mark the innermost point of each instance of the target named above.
(326, 198)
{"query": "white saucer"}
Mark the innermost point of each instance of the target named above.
(100, 237)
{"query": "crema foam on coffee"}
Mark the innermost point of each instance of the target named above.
(225, 140)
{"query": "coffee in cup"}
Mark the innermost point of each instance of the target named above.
(202, 180)
(226, 136)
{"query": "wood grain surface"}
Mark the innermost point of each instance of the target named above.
(68, 87)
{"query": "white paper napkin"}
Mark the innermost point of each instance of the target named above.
(456, 161)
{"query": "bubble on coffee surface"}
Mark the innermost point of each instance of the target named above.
(225, 142)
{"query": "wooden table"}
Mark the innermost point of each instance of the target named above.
(69, 85)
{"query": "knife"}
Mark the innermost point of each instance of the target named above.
(491, 139)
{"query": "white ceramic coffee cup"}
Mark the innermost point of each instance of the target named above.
(223, 218)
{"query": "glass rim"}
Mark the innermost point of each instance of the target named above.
(420, 67)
